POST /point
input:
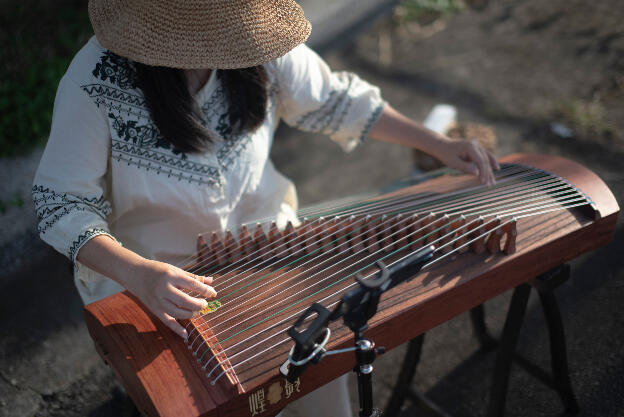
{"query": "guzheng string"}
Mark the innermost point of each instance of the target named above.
(299, 312)
(455, 239)
(196, 268)
(334, 256)
(266, 283)
(343, 202)
(560, 192)
(505, 169)
(217, 316)
(231, 357)
(214, 317)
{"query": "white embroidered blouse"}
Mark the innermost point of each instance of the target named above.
(107, 170)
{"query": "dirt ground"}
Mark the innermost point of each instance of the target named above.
(518, 66)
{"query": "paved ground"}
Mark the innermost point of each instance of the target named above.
(49, 368)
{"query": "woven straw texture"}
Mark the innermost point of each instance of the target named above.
(190, 34)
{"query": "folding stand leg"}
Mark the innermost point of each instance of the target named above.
(506, 349)
(558, 353)
(406, 375)
(545, 285)
(477, 317)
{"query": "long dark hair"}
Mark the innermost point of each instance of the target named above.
(179, 119)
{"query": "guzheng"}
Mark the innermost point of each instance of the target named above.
(543, 211)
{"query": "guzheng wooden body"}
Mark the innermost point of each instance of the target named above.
(543, 211)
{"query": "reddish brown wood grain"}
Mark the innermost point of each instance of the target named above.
(163, 379)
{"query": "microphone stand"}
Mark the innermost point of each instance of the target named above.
(355, 308)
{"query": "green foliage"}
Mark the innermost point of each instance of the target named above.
(15, 200)
(35, 50)
(425, 11)
(586, 118)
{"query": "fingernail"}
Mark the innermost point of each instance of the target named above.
(184, 334)
(204, 304)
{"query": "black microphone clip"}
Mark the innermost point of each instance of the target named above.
(309, 343)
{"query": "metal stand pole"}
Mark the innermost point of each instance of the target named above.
(365, 355)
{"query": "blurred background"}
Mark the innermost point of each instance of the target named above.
(542, 76)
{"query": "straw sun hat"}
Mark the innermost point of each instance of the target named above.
(218, 34)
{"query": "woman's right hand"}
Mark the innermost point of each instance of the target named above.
(165, 289)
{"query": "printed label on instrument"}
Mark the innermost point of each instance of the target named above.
(256, 402)
(290, 388)
(211, 307)
(275, 393)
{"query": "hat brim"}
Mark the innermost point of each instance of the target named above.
(221, 34)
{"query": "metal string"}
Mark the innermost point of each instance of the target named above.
(504, 170)
(490, 191)
(379, 251)
(339, 254)
(518, 197)
(585, 202)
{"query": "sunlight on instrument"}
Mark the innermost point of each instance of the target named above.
(542, 211)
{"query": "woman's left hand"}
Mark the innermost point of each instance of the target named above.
(467, 156)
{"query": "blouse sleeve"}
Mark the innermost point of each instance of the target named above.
(315, 99)
(69, 186)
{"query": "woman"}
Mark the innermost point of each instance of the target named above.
(162, 128)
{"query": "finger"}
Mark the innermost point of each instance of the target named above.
(183, 300)
(483, 163)
(203, 279)
(171, 323)
(468, 168)
(177, 312)
(493, 161)
(475, 156)
(490, 168)
(192, 284)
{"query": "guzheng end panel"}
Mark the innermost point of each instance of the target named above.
(151, 361)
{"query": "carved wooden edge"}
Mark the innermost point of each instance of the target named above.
(110, 354)
(582, 178)
(150, 361)
(209, 353)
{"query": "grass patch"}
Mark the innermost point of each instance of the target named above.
(586, 118)
(15, 200)
(427, 11)
(38, 41)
